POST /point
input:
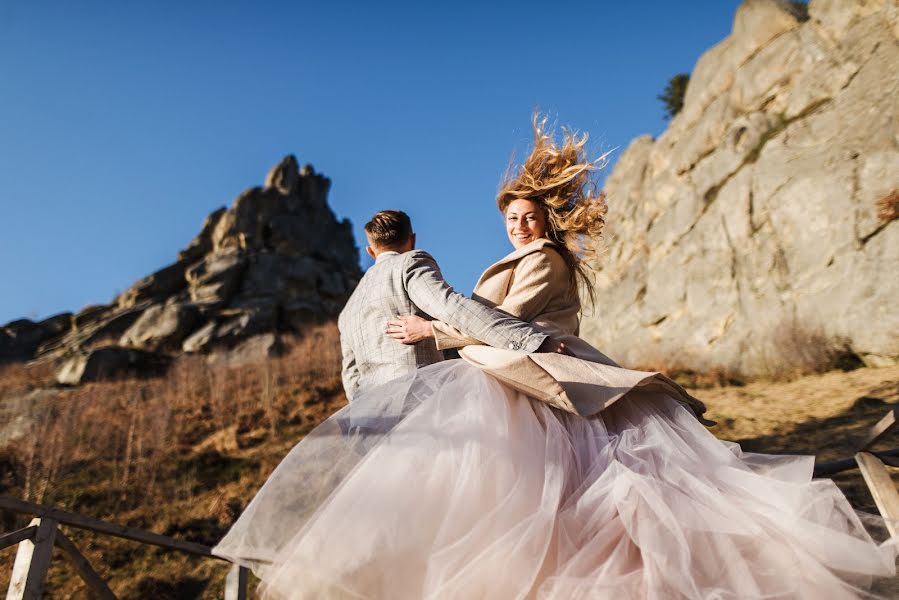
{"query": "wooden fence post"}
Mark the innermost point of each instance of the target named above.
(883, 490)
(32, 561)
(236, 583)
(84, 569)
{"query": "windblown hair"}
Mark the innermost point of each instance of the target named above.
(388, 229)
(561, 180)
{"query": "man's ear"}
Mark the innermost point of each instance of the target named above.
(371, 252)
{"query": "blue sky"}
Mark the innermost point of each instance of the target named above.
(123, 124)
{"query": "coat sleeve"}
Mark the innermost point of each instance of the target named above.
(537, 278)
(477, 323)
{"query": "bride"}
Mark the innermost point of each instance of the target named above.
(543, 477)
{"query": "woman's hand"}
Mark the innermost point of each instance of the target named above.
(409, 329)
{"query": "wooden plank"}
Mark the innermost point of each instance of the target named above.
(14, 537)
(836, 466)
(883, 427)
(236, 583)
(32, 562)
(90, 577)
(882, 489)
(128, 533)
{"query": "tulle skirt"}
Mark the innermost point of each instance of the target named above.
(447, 484)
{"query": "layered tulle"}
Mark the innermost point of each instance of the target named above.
(446, 484)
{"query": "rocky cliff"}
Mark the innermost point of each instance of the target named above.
(274, 261)
(758, 232)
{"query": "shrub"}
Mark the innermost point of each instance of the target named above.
(799, 9)
(888, 207)
(673, 96)
(796, 348)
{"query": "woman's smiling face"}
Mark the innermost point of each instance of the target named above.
(525, 222)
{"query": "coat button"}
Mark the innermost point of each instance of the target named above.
(511, 345)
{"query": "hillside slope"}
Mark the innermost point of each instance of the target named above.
(183, 455)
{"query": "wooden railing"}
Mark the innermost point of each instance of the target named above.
(36, 544)
(873, 468)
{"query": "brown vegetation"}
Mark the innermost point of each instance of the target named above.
(794, 349)
(180, 455)
(888, 207)
(797, 348)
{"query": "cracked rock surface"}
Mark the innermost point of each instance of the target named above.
(747, 233)
(274, 261)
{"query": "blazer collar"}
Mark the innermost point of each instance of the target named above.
(530, 248)
(385, 254)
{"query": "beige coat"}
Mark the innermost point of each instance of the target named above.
(533, 284)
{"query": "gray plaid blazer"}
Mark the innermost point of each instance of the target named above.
(411, 283)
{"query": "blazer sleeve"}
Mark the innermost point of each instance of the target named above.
(350, 374)
(478, 323)
(537, 278)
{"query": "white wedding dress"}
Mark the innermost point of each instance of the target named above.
(447, 484)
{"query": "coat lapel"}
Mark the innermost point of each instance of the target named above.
(493, 269)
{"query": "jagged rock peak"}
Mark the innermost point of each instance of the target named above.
(747, 236)
(274, 261)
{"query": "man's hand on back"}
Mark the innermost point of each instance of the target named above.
(553, 345)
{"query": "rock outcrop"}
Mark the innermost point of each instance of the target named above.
(273, 262)
(747, 236)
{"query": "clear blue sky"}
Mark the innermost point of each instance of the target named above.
(123, 124)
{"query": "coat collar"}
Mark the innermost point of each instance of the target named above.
(530, 248)
(534, 246)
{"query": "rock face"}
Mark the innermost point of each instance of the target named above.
(274, 261)
(748, 233)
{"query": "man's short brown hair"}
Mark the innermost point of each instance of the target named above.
(388, 229)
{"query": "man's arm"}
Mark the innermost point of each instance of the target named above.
(537, 277)
(350, 373)
(429, 291)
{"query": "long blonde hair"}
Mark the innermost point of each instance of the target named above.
(562, 180)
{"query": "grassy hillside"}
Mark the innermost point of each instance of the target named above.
(182, 455)
(179, 456)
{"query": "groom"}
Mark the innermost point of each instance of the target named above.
(405, 281)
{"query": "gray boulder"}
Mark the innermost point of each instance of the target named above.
(20, 339)
(109, 362)
(161, 327)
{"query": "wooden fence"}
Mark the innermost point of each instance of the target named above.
(873, 468)
(36, 544)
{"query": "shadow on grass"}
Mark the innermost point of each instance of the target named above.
(831, 439)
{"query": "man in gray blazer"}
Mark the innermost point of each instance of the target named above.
(406, 281)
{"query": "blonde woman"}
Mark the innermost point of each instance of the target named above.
(544, 477)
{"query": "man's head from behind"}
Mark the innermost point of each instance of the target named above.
(389, 230)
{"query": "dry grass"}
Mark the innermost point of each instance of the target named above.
(824, 414)
(797, 348)
(17, 377)
(179, 455)
(694, 379)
